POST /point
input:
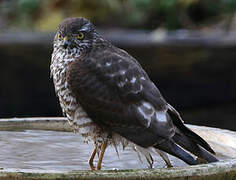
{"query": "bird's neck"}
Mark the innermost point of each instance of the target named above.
(100, 42)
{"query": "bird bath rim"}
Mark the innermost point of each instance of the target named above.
(225, 169)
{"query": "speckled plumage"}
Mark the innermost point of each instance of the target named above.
(77, 117)
(108, 97)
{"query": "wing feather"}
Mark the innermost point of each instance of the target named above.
(114, 90)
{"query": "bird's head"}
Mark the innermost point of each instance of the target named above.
(75, 35)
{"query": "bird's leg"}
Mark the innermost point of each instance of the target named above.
(150, 161)
(166, 159)
(103, 148)
(92, 167)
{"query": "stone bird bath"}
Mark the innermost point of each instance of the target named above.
(45, 148)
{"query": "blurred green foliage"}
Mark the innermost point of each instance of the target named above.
(145, 14)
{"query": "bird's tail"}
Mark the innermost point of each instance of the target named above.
(170, 147)
(190, 141)
(185, 142)
(193, 147)
(182, 147)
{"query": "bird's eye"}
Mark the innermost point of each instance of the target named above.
(59, 36)
(80, 35)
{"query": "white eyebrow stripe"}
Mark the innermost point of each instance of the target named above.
(84, 28)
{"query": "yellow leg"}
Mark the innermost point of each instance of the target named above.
(92, 167)
(166, 159)
(103, 148)
(150, 161)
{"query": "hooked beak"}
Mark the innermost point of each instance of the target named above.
(66, 42)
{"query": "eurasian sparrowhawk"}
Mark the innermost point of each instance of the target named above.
(109, 99)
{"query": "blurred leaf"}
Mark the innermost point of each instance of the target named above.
(150, 14)
(49, 22)
(28, 6)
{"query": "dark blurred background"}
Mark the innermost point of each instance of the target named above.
(188, 47)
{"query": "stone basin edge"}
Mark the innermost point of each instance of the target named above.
(224, 169)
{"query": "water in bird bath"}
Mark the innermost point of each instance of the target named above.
(63, 151)
(66, 151)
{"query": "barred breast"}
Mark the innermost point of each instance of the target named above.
(75, 114)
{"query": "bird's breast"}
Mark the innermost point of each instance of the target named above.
(75, 114)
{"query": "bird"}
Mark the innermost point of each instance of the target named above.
(109, 99)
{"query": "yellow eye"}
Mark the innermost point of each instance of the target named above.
(80, 36)
(59, 36)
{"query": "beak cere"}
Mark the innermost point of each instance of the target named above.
(66, 42)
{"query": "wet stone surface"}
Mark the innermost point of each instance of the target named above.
(62, 151)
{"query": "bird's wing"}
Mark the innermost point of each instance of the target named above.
(117, 94)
